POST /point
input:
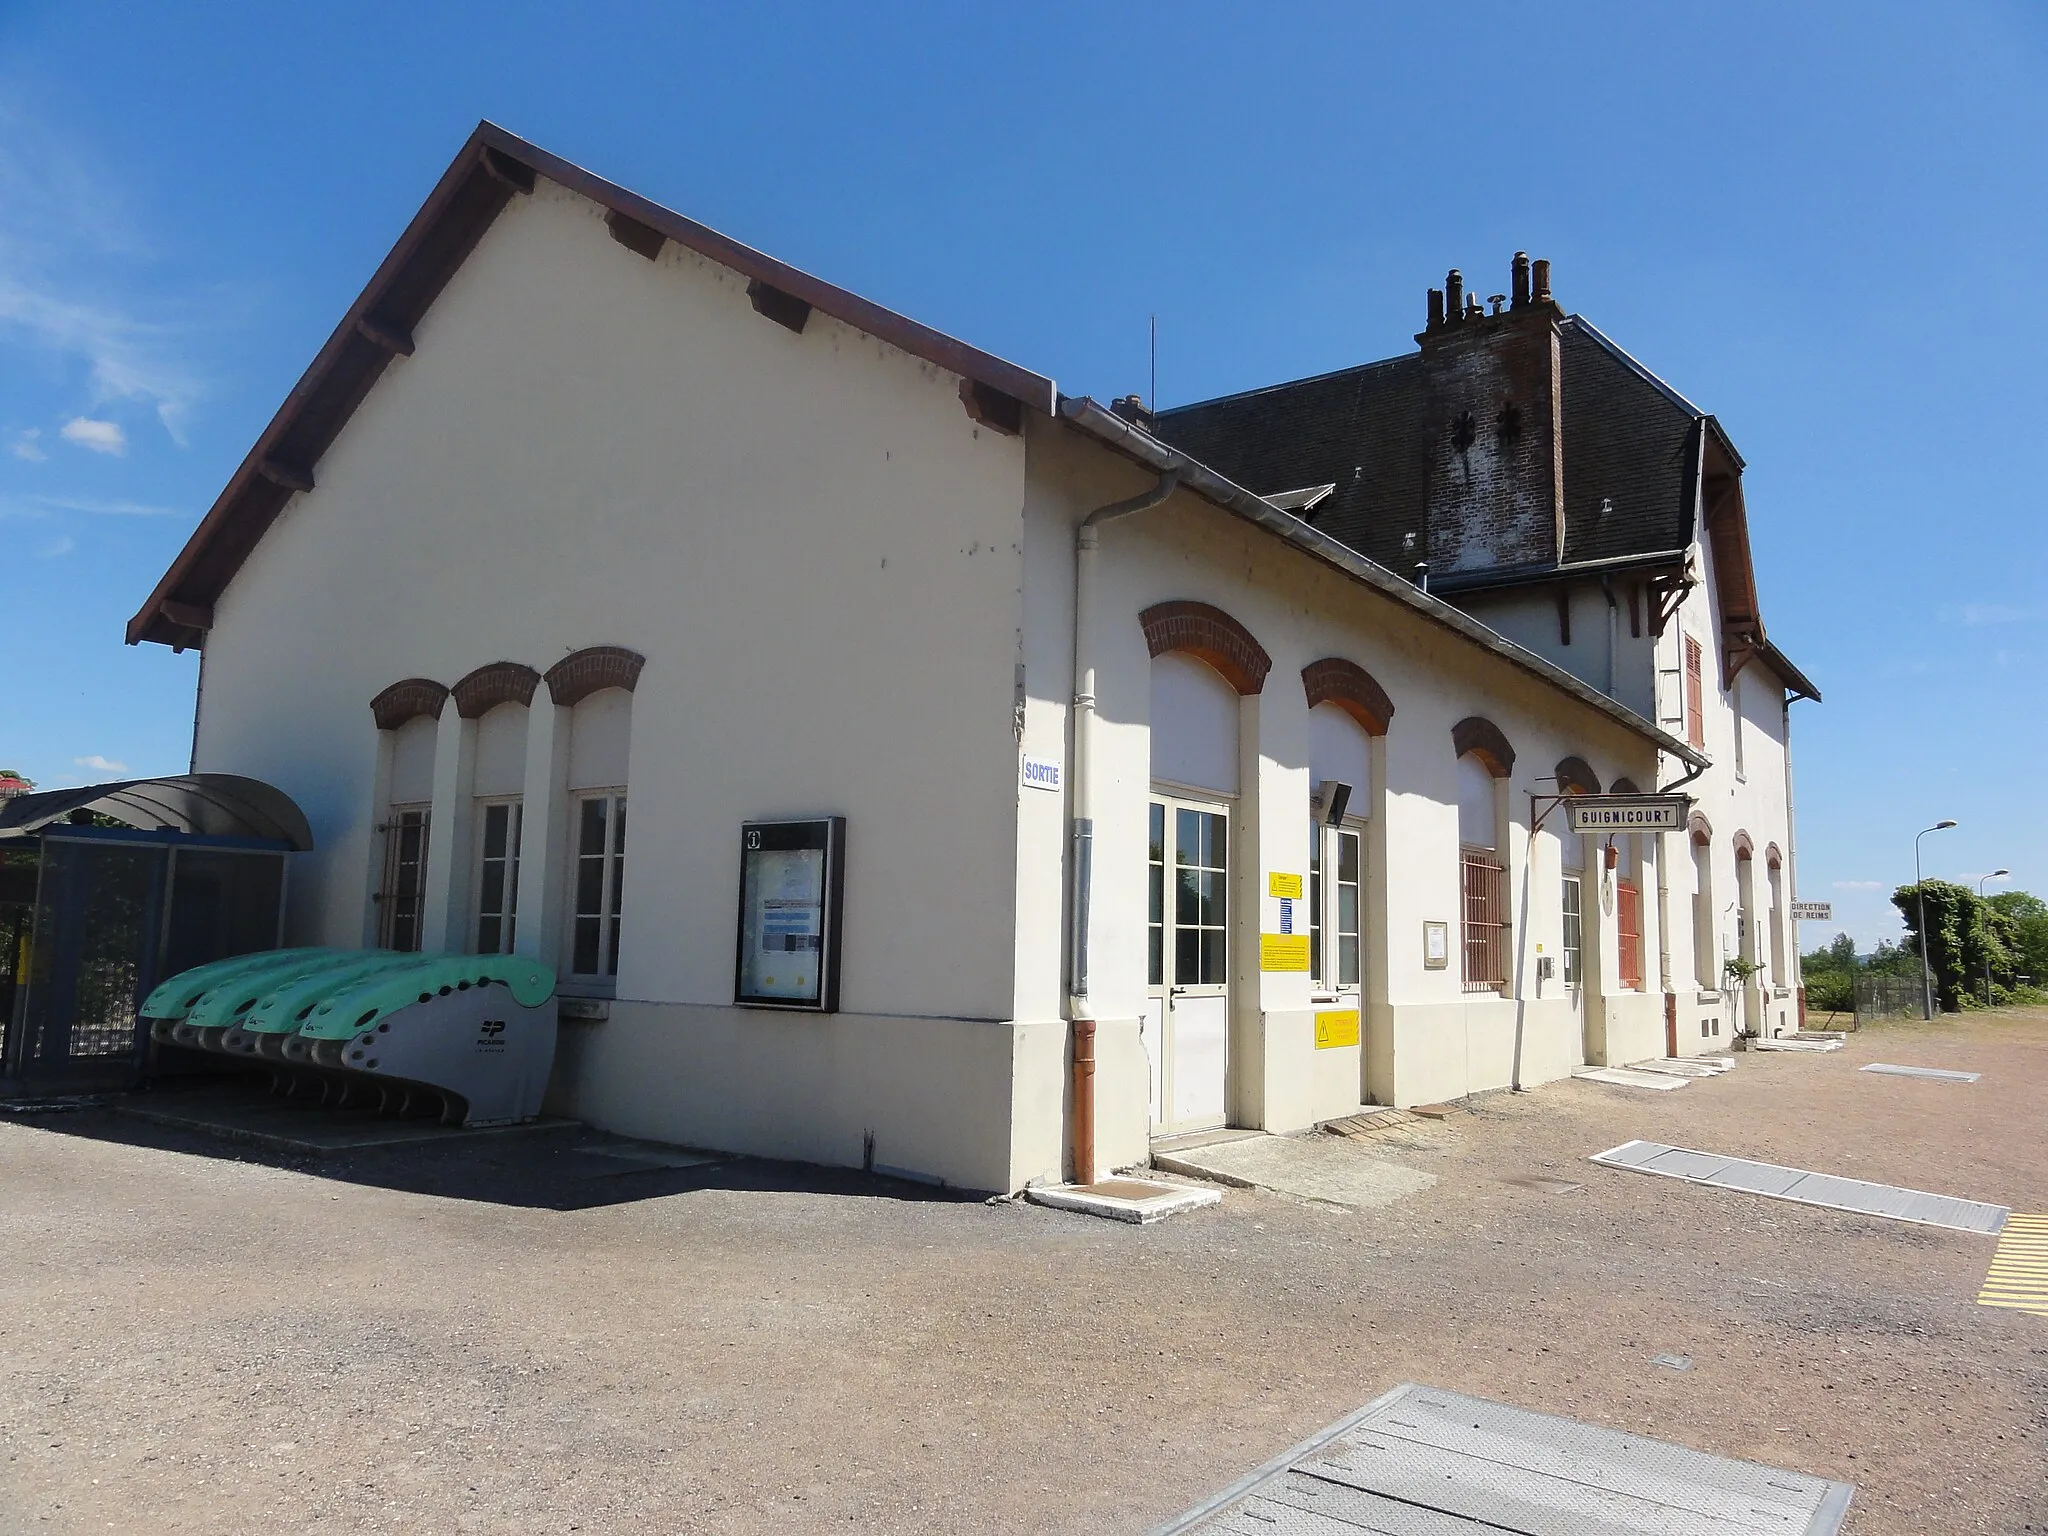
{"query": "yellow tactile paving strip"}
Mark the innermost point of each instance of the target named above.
(2019, 1270)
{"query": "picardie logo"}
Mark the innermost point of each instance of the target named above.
(491, 1029)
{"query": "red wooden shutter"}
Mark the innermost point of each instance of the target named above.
(1695, 699)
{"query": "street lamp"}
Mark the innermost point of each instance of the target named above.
(1920, 892)
(1996, 874)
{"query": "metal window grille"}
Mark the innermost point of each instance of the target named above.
(401, 898)
(1628, 926)
(1695, 696)
(1485, 920)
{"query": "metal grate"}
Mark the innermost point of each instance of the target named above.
(1420, 1462)
(1485, 918)
(1804, 1188)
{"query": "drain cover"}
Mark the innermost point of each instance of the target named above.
(1419, 1462)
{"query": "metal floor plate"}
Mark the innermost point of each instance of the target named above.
(1941, 1073)
(1419, 1462)
(1797, 1184)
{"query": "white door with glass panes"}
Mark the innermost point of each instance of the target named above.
(1336, 906)
(1187, 1023)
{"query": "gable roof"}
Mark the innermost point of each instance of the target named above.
(492, 168)
(1165, 458)
(1646, 472)
(1627, 435)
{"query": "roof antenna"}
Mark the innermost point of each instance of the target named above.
(1155, 363)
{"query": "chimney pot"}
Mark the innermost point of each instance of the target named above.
(1520, 285)
(1436, 308)
(1454, 295)
(1542, 275)
(1495, 301)
(1473, 308)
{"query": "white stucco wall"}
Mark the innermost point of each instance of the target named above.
(1425, 1037)
(818, 554)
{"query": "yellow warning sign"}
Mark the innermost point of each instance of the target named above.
(1335, 1029)
(1283, 885)
(1283, 951)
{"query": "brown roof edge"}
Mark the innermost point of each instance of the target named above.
(492, 167)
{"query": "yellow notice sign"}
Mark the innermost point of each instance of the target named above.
(1283, 885)
(1335, 1029)
(1283, 951)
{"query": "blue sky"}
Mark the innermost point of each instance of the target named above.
(1825, 223)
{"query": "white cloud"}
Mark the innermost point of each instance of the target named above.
(57, 548)
(100, 764)
(1997, 613)
(25, 445)
(1859, 885)
(103, 508)
(99, 436)
(65, 251)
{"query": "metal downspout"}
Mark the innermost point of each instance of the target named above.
(1087, 538)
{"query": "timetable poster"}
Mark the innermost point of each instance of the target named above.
(786, 914)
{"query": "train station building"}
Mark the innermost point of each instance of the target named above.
(966, 726)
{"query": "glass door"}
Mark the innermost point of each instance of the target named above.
(1187, 1025)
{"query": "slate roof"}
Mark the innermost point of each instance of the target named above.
(1627, 443)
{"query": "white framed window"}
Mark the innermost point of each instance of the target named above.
(1336, 906)
(499, 825)
(597, 876)
(402, 893)
(1574, 929)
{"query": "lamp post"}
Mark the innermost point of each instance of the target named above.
(1996, 874)
(1920, 893)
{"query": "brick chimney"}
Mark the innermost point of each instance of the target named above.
(1492, 425)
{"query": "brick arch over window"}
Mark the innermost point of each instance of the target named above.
(1745, 847)
(1209, 635)
(1773, 858)
(500, 682)
(1575, 776)
(1480, 737)
(408, 700)
(1699, 828)
(1346, 684)
(581, 673)
(1623, 787)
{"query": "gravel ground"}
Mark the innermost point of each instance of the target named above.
(509, 1339)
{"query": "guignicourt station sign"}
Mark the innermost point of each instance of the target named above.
(1626, 813)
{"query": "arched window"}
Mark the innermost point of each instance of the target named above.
(1706, 941)
(1339, 753)
(403, 818)
(1484, 760)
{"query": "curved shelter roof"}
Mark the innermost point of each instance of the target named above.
(207, 804)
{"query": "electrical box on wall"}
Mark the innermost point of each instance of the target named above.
(792, 885)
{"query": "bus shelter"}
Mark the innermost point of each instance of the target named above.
(106, 890)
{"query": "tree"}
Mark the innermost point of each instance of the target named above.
(2028, 915)
(1966, 936)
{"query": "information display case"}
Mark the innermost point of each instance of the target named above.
(792, 883)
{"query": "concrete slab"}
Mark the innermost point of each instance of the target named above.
(1331, 1170)
(1680, 1066)
(1940, 1074)
(1140, 1201)
(1187, 1139)
(1787, 1043)
(1630, 1077)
